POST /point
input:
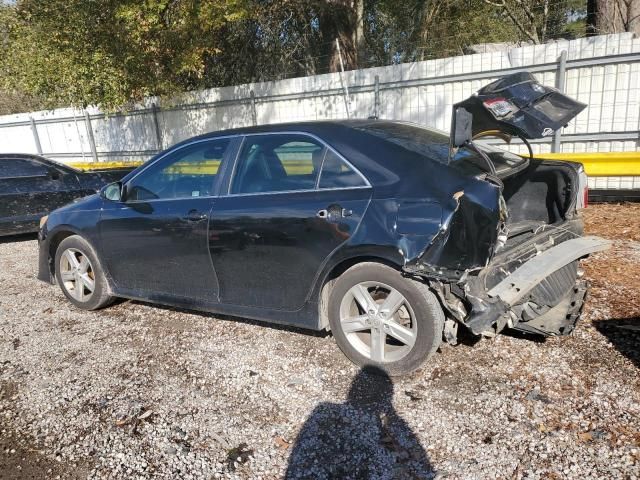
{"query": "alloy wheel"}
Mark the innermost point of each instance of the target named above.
(77, 274)
(378, 322)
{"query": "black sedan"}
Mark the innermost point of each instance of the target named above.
(391, 235)
(31, 186)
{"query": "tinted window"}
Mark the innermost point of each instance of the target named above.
(188, 172)
(276, 163)
(336, 173)
(434, 145)
(21, 167)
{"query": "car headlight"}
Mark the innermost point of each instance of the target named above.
(43, 220)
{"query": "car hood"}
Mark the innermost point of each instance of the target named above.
(91, 202)
(518, 105)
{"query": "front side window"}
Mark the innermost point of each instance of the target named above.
(277, 163)
(22, 167)
(186, 173)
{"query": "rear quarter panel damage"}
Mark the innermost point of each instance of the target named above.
(466, 237)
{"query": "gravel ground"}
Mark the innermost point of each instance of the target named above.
(137, 391)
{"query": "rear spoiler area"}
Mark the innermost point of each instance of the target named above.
(516, 105)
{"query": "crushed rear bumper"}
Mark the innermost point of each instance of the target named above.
(535, 288)
(538, 296)
(519, 283)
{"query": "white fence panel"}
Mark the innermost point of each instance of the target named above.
(603, 72)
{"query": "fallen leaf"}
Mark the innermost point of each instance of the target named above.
(145, 415)
(282, 443)
(585, 437)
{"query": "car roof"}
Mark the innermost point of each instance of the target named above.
(307, 126)
(40, 158)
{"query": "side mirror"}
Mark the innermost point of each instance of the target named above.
(461, 128)
(112, 192)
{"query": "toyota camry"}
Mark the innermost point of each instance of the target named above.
(391, 235)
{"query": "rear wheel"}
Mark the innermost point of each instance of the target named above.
(378, 317)
(80, 275)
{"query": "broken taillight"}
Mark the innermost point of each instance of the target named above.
(500, 107)
(585, 196)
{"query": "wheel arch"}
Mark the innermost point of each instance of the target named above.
(338, 268)
(63, 232)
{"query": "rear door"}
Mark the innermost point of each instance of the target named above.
(281, 220)
(29, 189)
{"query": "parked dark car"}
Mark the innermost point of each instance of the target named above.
(31, 186)
(389, 234)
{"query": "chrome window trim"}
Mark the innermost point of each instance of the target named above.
(316, 189)
(164, 155)
(306, 190)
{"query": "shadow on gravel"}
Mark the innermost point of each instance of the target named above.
(624, 334)
(361, 438)
(25, 237)
(532, 337)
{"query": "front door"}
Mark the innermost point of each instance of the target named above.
(281, 220)
(154, 242)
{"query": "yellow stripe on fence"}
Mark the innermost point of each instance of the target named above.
(104, 165)
(607, 164)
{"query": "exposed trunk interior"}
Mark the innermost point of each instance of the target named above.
(542, 194)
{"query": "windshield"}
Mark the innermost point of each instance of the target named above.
(434, 145)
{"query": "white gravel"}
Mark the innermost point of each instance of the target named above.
(138, 391)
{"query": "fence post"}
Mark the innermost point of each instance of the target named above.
(560, 81)
(156, 126)
(376, 97)
(254, 112)
(92, 141)
(36, 137)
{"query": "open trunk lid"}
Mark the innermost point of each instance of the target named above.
(515, 105)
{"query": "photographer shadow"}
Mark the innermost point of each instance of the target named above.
(360, 439)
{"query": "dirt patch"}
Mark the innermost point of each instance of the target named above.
(616, 221)
(614, 275)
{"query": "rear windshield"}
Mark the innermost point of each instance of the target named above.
(434, 145)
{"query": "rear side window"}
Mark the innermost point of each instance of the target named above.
(336, 173)
(277, 163)
(22, 167)
(434, 145)
(186, 173)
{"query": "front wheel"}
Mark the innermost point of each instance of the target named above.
(80, 275)
(378, 317)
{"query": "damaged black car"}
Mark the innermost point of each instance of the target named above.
(391, 235)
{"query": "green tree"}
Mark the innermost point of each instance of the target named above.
(115, 52)
(110, 52)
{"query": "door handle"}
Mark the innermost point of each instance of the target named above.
(334, 212)
(195, 216)
(346, 212)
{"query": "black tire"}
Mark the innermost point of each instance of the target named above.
(99, 297)
(429, 316)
